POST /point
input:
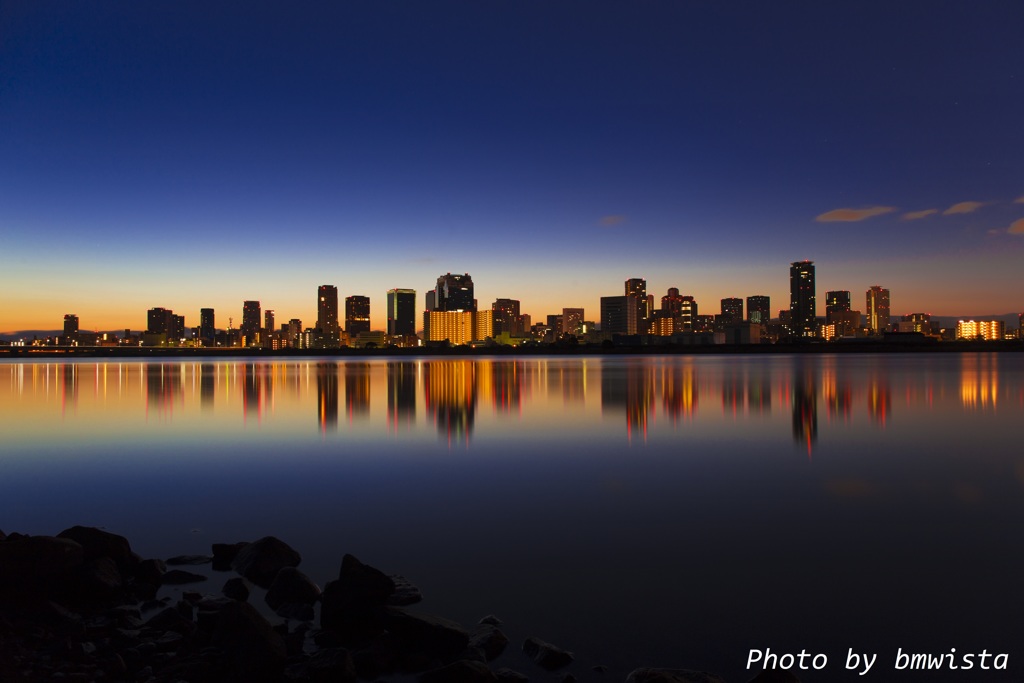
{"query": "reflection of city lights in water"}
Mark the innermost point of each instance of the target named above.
(979, 381)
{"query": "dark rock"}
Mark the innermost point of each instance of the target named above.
(546, 655)
(568, 678)
(462, 671)
(236, 589)
(98, 543)
(171, 619)
(424, 641)
(492, 620)
(292, 586)
(260, 561)
(599, 668)
(774, 676)
(150, 571)
(671, 676)
(362, 585)
(224, 554)
(100, 580)
(179, 560)
(296, 611)
(333, 665)
(177, 577)
(252, 651)
(506, 675)
(351, 604)
(405, 592)
(37, 560)
(489, 640)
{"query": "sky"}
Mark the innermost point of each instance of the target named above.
(193, 154)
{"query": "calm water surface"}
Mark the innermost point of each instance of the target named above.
(639, 511)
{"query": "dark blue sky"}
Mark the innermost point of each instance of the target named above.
(186, 154)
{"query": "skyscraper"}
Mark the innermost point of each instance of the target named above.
(802, 304)
(836, 302)
(572, 320)
(878, 309)
(506, 317)
(268, 321)
(250, 327)
(637, 287)
(357, 315)
(160, 321)
(207, 329)
(401, 312)
(327, 315)
(759, 309)
(687, 314)
(732, 311)
(619, 315)
(454, 293)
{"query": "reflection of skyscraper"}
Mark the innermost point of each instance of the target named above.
(401, 312)
(207, 384)
(506, 387)
(759, 309)
(449, 388)
(357, 389)
(327, 315)
(879, 399)
(250, 327)
(805, 408)
(630, 388)
(679, 392)
(802, 304)
(401, 395)
(327, 396)
(878, 309)
(454, 293)
(357, 315)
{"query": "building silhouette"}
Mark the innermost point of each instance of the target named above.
(836, 302)
(327, 330)
(357, 315)
(507, 319)
(572, 321)
(637, 287)
(620, 315)
(454, 293)
(732, 311)
(401, 312)
(802, 304)
(207, 327)
(759, 309)
(878, 309)
(160, 321)
(250, 327)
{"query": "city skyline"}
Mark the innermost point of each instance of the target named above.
(153, 156)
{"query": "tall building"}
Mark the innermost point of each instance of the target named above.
(802, 304)
(160, 321)
(732, 311)
(70, 325)
(455, 327)
(687, 314)
(357, 315)
(327, 315)
(401, 312)
(836, 302)
(177, 327)
(572, 321)
(454, 293)
(637, 287)
(759, 309)
(250, 327)
(268, 321)
(620, 315)
(507, 319)
(207, 329)
(878, 309)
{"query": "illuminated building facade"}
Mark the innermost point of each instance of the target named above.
(637, 287)
(802, 302)
(988, 330)
(688, 314)
(357, 315)
(759, 309)
(483, 325)
(327, 315)
(572, 321)
(878, 309)
(455, 327)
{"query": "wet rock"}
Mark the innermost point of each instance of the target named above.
(98, 543)
(150, 571)
(171, 619)
(351, 604)
(492, 620)
(36, 560)
(405, 592)
(260, 561)
(546, 655)
(296, 611)
(462, 671)
(423, 640)
(506, 675)
(177, 577)
(489, 640)
(647, 675)
(236, 589)
(252, 651)
(332, 665)
(225, 553)
(99, 581)
(292, 586)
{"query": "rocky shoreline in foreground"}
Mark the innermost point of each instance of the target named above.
(82, 606)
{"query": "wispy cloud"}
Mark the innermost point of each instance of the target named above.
(917, 215)
(963, 207)
(612, 219)
(853, 215)
(1016, 227)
